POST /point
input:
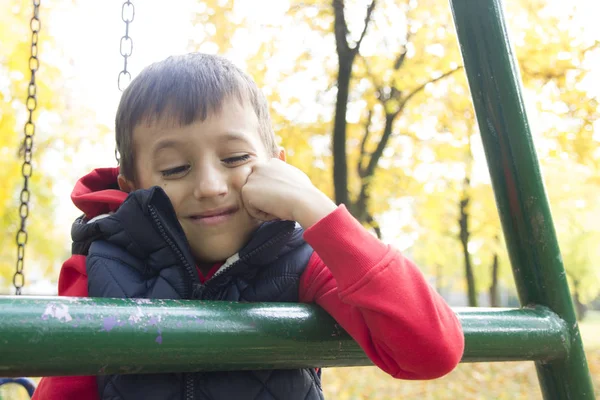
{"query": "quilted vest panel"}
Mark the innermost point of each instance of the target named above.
(141, 252)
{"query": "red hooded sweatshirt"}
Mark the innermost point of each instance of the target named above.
(376, 294)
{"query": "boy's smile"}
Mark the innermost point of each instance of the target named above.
(202, 167)
(215, 216)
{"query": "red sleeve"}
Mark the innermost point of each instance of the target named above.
(381, 299)
(71, 282)
(67, 388)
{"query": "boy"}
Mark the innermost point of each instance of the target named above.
(203, 207)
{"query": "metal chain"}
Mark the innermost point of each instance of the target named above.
(126, 45)
(126, 49)
(27, 149)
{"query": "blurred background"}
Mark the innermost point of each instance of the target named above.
(415, 173)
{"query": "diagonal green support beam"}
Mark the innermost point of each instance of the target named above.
(495, 85)
(82, 336)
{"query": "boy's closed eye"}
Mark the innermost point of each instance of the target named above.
(232, 161)
(179, 170)
(182, 169)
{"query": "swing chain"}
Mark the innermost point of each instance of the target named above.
(126, 45)
(27, 149)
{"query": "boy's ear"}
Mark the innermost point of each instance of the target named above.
(124, 184)
(281, 155)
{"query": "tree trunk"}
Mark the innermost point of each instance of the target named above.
(340, 167)
(465, 235)
(346, 57)
(494, 293)
(579, 306)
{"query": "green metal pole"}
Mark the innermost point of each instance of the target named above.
(82, 336)
(495, 85)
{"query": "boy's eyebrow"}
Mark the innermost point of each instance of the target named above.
(229, 136)
(164, 144)
(232, 136)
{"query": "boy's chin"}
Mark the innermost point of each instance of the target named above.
(215, 255)
(219, 250)
(218, 247)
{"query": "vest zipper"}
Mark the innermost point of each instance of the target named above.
(247, 256)
(200, 289)
(196, 289)
(190, 383)
(189, 379)
(188, 268)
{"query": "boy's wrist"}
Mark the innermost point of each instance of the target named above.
(313, 207)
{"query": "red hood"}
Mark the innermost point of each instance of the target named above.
(98, 192)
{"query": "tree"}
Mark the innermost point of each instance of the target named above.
(347, 53)
(577, 219)
(465, 233)
(373, 94)
(568, 111)
(383, 81)
(556, 82)
(396, 81)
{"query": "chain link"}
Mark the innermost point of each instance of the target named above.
(27, 149)
(126, 45)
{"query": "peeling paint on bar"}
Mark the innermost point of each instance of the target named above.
(106, 336)
(60, 312)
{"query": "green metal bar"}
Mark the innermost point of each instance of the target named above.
(82, 336)
(495, 85)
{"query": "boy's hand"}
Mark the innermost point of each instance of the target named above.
(277, 190)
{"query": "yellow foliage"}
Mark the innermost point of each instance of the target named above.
(43, 247)
(426, 157)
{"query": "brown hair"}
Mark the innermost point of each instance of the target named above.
(187, 88)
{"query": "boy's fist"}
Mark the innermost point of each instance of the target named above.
(277, 190)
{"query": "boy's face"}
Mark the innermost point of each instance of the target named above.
(202, 168)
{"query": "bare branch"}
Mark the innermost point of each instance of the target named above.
(402, 54)
(385, 137)
(363, 144)
(422, 87)
(398, 62)
(368, 173)
(375, 225)
(367, 21)
(404, 51)
(400, 59)
(340, 28)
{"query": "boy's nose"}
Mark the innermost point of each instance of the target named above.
(210, 183)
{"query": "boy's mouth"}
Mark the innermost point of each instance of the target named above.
(214, 217)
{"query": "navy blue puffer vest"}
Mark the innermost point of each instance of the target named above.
(140, 251)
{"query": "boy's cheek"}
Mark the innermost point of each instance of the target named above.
(241, 176)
